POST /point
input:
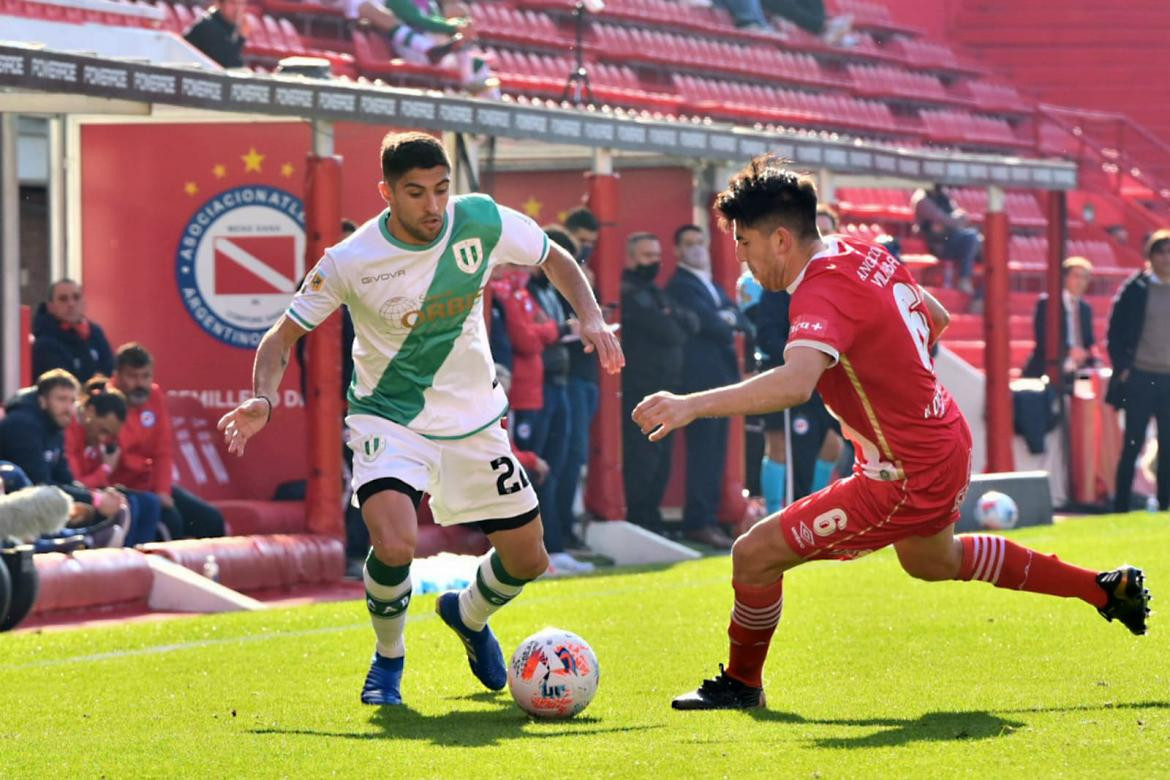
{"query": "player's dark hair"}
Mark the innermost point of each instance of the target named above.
(559, 236)
(581, 218)
(54, 378)
(402, 152)
(104, 399)
(1155, 241)
(682, 230)
(132, 355)
(766, 193)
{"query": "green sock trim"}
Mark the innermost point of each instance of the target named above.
(502, 574)
(383, 574)
(387, 609)
(492, 596)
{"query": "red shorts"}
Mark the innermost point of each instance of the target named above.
(858, 515)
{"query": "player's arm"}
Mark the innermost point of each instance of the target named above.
(566, 275)
(246, 420)
(940, 318)
(780, 388)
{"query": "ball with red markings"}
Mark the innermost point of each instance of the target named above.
(553, 674)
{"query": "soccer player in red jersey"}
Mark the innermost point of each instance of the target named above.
(861, 332)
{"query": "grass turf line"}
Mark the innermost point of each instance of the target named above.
(871, 673)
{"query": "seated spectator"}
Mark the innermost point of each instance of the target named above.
(64, 338)
(1076, 323)
(810, 16)
(584, 229)
(146, 448)
(32, 437)
(947, 233)
(745, 14)
(222, 33)
(91, 446)
(422, 32)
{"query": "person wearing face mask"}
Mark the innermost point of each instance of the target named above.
(654, 330)
(709, 361)
(146, 444)
(1140, 352)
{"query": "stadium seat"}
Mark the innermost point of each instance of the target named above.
(256, 563)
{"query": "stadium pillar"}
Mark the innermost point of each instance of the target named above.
(996, 334)
(725, 271)
(1057, 217)
(605, 496)
(9, 255)
(323, 364)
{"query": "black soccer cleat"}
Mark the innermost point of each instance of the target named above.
(721, 693)
(1129, 601)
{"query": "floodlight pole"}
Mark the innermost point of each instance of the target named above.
(577, 86)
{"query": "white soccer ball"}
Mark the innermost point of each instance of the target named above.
(996, 511)
(553, 674)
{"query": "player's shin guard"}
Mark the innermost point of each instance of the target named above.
(773, 477)
(1006, 564)
(493, 588)
(753, 620)
(387, 597)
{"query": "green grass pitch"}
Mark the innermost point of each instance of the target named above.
(871, 674)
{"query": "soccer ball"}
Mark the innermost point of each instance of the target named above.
(996, 511)
(553, 674)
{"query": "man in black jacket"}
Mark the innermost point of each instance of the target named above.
(32, 436)
(64, 338)
(1139, 347)
(709, 361)
(1075, 317)
(653, 332)
(220, 34)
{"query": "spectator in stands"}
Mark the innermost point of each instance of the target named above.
(222, 33)
(810, 16)
(64, 338)
(827, 220)
(584, 228)
(948, 233)
(422, 32)
(745, 14)
(91, 447)
(654, 330)
(32, 436)
(1139, 348)
(709, 361)
(1076, 323)
(146, 444)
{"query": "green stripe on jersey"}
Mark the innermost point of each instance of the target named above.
(452, 295)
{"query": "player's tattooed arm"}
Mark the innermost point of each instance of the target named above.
(940, 318)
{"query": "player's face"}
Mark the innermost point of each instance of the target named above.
(417, 201)
(1160, 260)
(763, 254)
(1077, 281)
(67, 304)
(59, 405)
(101, 430)
(135, 383)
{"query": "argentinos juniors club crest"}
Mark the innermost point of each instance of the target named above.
(240, 258)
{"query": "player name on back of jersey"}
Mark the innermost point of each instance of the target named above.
(878, 267)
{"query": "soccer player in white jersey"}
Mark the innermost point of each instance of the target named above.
(424, 404)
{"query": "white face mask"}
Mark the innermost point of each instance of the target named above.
(696, 257)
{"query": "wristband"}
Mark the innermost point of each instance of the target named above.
(267, 400)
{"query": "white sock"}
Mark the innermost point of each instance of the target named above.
(492, 589)
(387, 606)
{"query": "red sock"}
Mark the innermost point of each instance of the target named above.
(1006, 564)
(753, 619)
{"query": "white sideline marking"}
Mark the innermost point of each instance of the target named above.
(115, 655)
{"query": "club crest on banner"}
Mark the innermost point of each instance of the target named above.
(239, 260)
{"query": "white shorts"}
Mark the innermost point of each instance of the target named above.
(469, 480)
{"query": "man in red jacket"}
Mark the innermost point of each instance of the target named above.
(146, 443)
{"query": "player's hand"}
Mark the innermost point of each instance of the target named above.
(111, 459)
(109, 501)
(661, 413)
(540, 470)
(599, 337)
(243, 422)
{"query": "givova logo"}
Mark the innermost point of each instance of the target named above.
(239, 259)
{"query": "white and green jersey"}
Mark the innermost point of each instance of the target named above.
(420, 352)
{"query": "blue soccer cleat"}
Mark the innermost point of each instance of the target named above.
(483, 651)
(383, 682)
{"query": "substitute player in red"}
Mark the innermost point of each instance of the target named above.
(861, 331)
